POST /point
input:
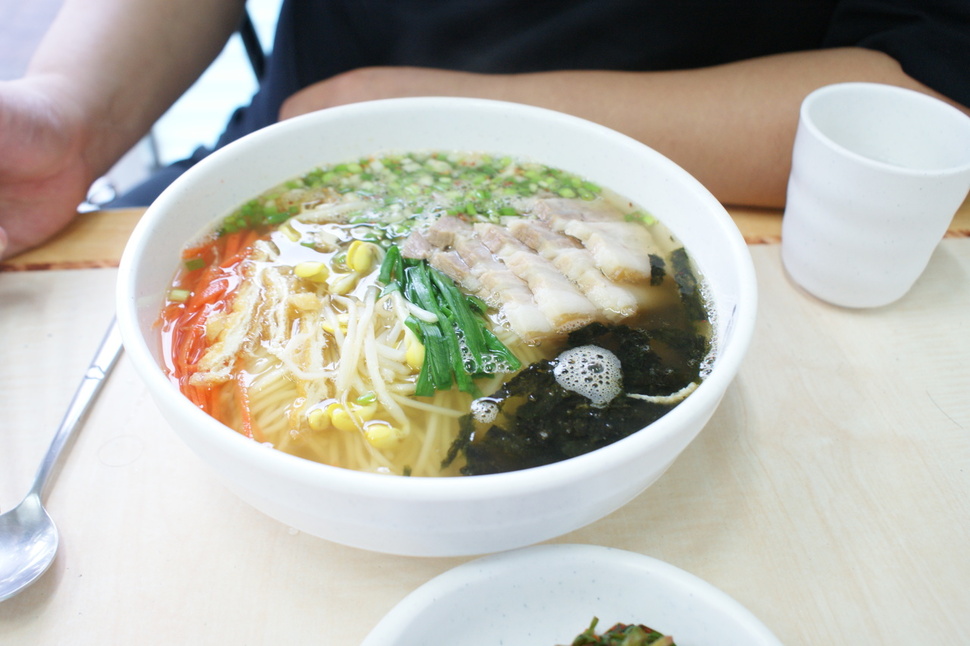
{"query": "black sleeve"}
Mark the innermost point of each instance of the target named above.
(929, 38)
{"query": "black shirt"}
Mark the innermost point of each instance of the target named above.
(317, 39)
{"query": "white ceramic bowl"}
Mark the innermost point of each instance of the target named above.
(549, 594)
(436, 516)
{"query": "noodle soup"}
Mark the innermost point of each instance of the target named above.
(436, 313)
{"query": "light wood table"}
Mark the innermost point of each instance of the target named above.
(829, 494)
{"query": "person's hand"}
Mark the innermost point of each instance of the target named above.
(43, 174)
(391, 82)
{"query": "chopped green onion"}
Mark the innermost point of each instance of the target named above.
(641, 216)
(178, 295)
(193, 263)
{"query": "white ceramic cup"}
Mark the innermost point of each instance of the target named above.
(877, 175)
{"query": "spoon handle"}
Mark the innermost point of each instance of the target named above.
(90, 385)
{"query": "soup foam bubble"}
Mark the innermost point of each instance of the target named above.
(590, 371)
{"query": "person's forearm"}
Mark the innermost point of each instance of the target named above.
(122, 63)
(731, 126)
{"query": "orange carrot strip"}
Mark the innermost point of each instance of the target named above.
(211, 289)
(237, 249)
(230, 244)
(249, 429)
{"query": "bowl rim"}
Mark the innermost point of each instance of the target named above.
(235, 445)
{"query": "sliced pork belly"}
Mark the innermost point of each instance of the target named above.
(442, 233)
(577, 209)
(621, 249)
(451, 265)
(578, 265)
(556, 296)
(417, 246)
(488, 278)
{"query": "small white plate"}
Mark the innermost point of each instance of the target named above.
(546, 595)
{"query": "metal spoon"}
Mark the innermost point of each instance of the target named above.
(28, 536)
